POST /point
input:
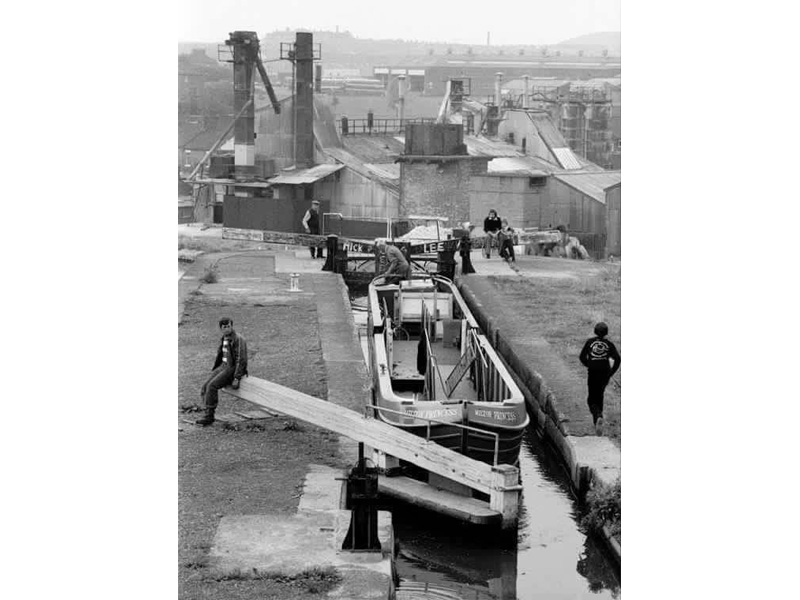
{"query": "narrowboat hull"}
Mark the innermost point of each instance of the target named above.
(435, 374)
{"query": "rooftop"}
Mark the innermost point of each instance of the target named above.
(301, 176)
(528, 166)
(592, 183)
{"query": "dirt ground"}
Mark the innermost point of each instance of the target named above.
(254, 467)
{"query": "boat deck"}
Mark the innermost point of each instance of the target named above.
(404, 366)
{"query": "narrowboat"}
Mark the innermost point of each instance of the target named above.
(435, 374)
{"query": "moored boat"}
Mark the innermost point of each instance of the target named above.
(435, 373)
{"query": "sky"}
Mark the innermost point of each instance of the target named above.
(509, 22)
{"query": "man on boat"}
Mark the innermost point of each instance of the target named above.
(398, 268)
(595, 356)
(229, 368)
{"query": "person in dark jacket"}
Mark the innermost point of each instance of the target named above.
(398, 268)
(505, 238)
(464, 249)
(596, 355)
(311, 223)
(491, 225)
(229, 368)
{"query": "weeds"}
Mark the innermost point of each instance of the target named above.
(190, 408)
(210, 275)
(247, 427)
(314, 580)
(607, 281)
(604, 508)
(291, 426)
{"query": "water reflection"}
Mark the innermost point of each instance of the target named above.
(454, 556)
(555, 559)
(550, 557)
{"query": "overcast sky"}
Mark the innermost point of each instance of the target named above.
(468, 21)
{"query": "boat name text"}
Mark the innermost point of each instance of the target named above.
(497, 415)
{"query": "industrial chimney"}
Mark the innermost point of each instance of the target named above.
(401, 93)
(498, 80)
(525, 91)
(304, 100)
(245, 48)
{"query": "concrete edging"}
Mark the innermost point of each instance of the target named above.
(542, 406)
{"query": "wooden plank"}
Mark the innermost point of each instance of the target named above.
(420, 494)
(377, 434)
(297, 239)
(459, 371)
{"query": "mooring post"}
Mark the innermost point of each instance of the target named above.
(331, 242)
(447, 263)
(504, 496)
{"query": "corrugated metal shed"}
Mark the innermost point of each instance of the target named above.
(301, 176)
(592, 184)
(387, 174)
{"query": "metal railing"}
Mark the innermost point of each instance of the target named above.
(430, 420)
(433, 365)
(376, 126)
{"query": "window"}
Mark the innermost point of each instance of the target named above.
(537, 181)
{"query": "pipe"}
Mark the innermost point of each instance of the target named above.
(401, 92)
(498, 79)
(526, 79)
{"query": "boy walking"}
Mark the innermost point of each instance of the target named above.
(596, 355)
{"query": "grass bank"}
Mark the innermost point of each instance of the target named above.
(564, 311)
(257, 467)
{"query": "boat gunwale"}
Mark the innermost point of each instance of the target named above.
(516, 396)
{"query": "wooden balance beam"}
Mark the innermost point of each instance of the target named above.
(501, 483)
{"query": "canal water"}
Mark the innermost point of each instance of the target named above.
(551, 558)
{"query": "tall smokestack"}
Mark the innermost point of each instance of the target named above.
(304, 100)
(401, 92)
(498, 80)
(526, 91)
(245, 48)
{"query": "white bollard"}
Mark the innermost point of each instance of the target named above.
(294, 282)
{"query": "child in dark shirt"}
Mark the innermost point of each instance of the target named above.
(595, 356)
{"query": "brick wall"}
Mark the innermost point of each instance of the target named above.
(439, 189)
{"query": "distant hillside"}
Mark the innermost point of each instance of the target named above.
(611, 40)
(343, 49)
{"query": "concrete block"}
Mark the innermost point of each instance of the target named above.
(443, 483)
(601, 456)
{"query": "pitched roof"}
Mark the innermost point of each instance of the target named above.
(387, 174)
(373, 148)
(593, 183)
(519, 165)
(481, 146)
(300, 176)
(555, 142)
